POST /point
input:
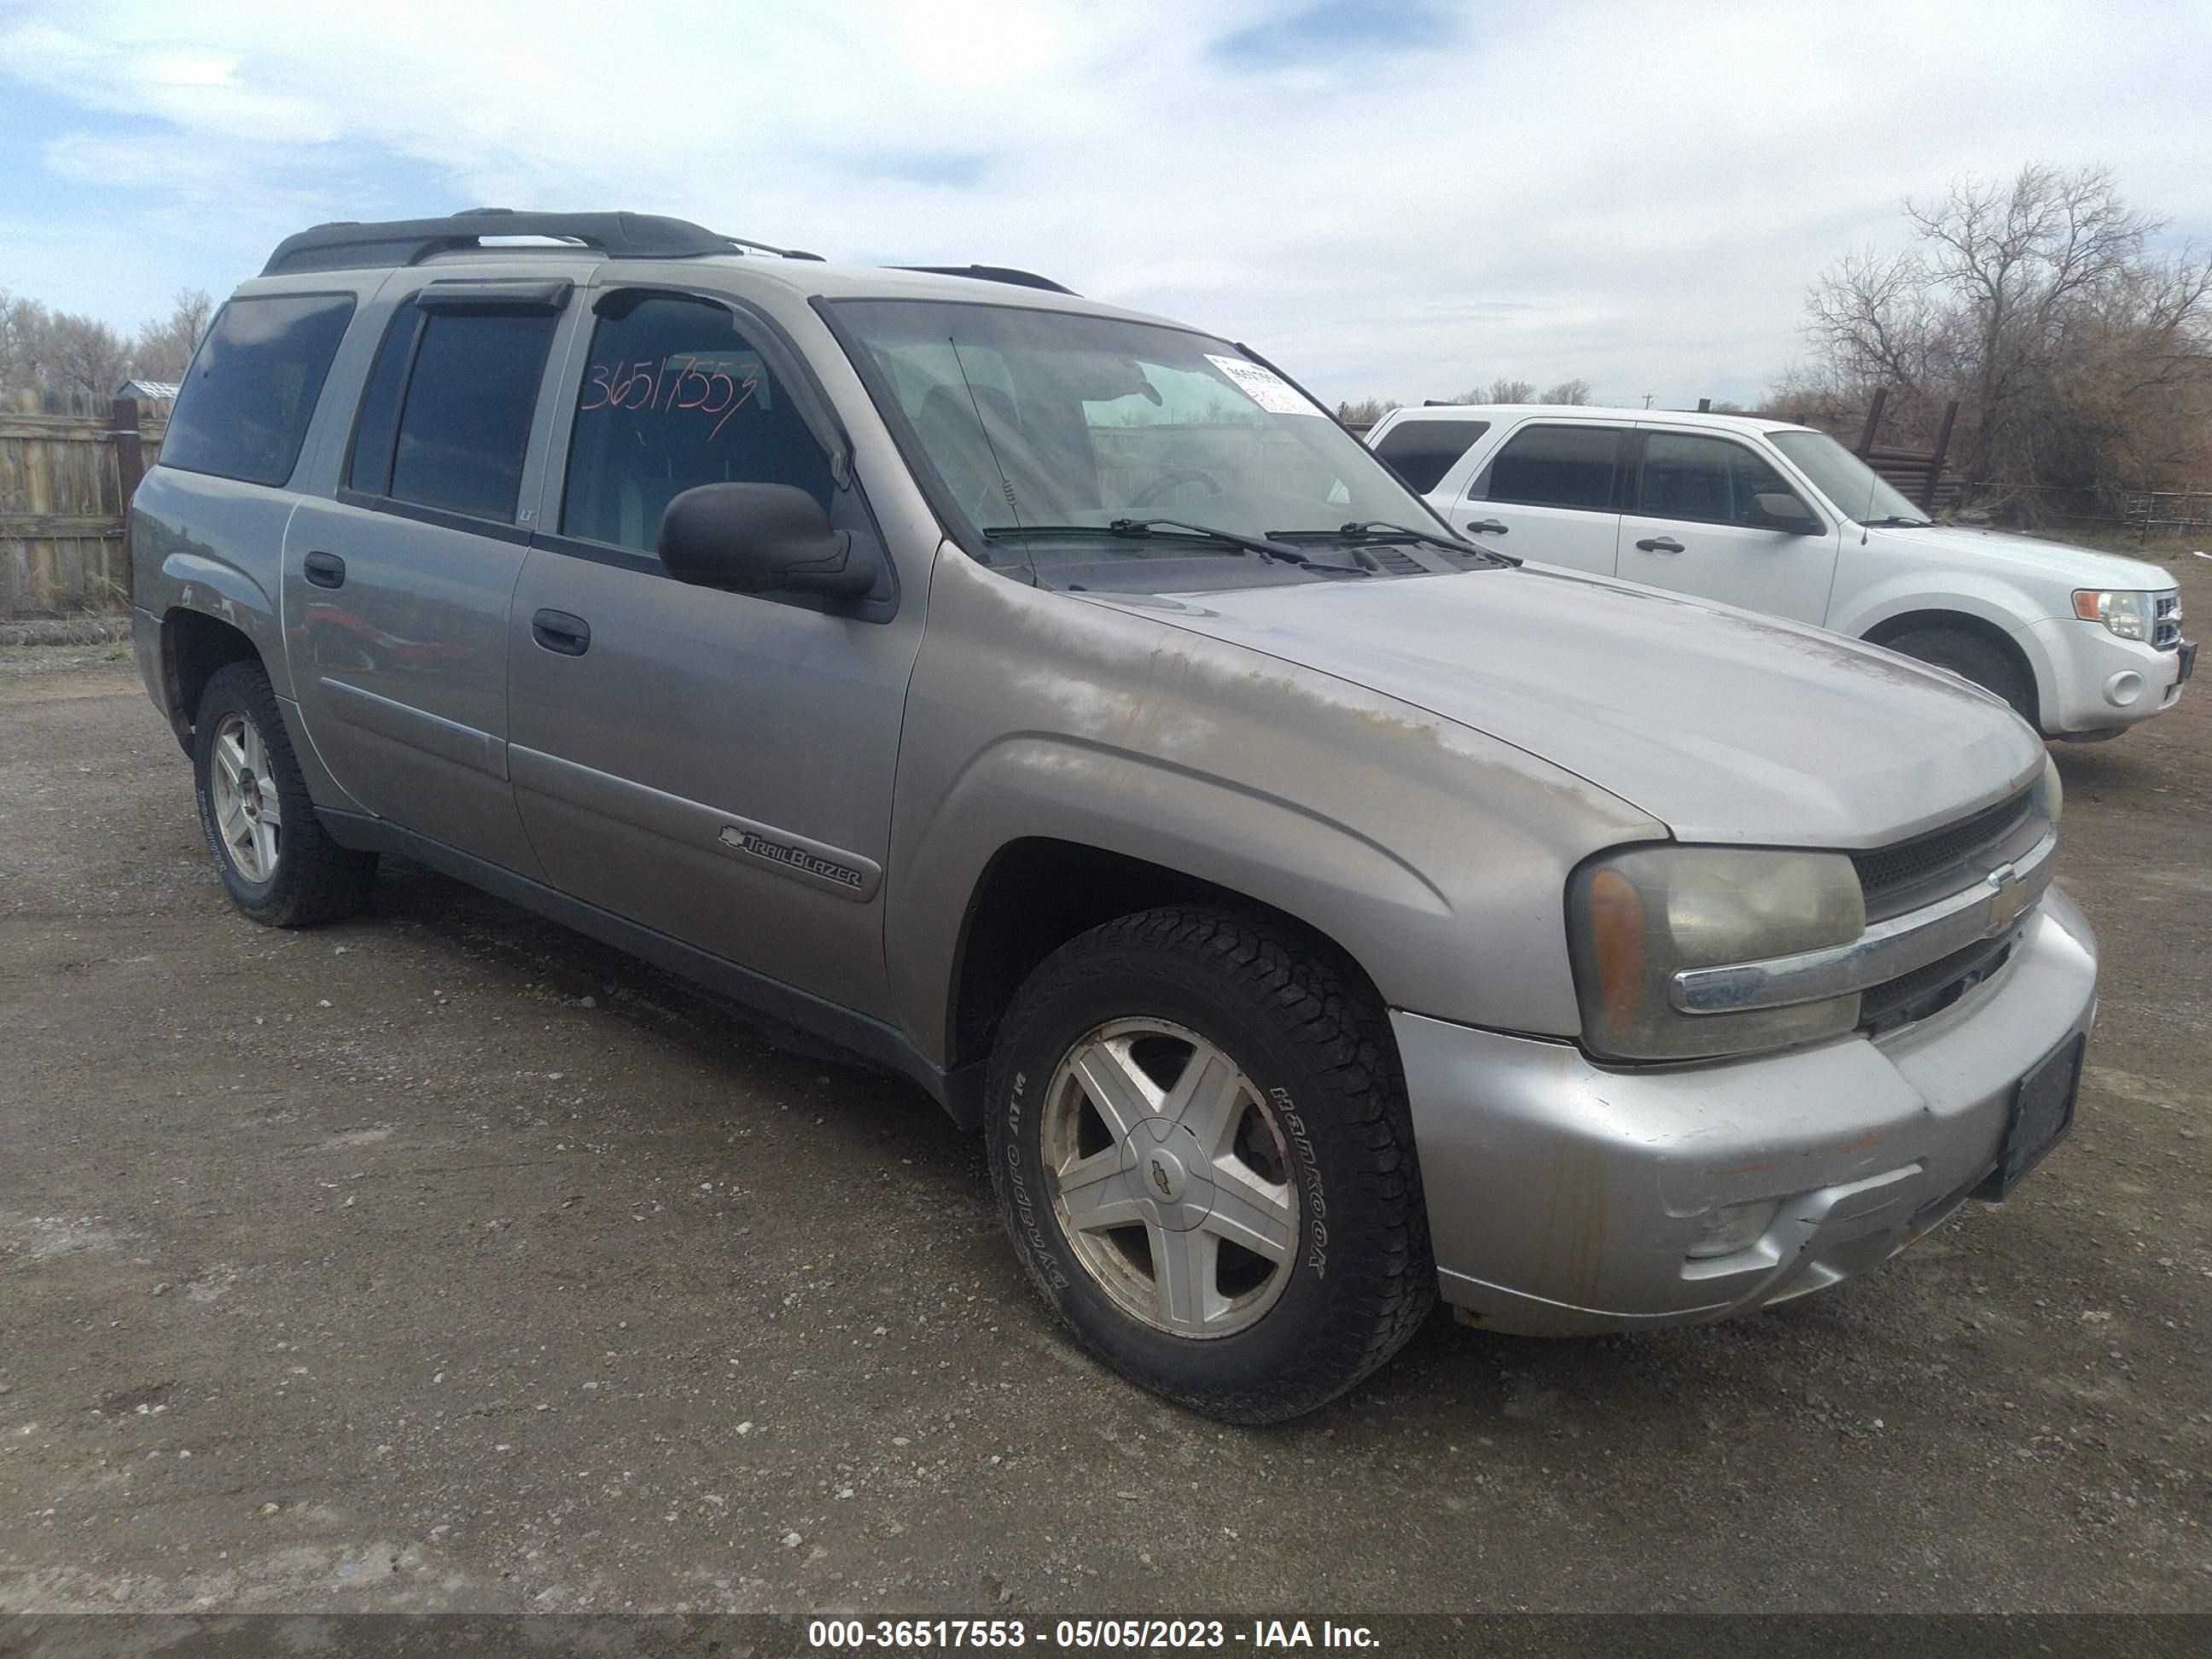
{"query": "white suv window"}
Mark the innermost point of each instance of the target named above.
(1709, 480)
(1553, 467)
(1424, 450)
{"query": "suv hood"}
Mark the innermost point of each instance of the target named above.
(1724, 726)
(2026, 555)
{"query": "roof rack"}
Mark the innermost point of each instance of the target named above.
(992, 273)
(348, 244)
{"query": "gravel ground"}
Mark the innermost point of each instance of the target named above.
(442, 1259)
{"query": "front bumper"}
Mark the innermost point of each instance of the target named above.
(2100, 683)
(1563, 1198)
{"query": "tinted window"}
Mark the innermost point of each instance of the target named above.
(1424, 450)
(243, 409)
(675, 397)
(1709, 479)
(1554, 466)
(465, 423)
(369, 466)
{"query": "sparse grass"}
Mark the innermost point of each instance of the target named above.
(84, 628)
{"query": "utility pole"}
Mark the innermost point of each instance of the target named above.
(1647, 400)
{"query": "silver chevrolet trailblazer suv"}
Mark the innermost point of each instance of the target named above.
(1054, 706)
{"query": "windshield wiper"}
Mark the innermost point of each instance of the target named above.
(1266, 549)
(1381, 530)
(1895, 522)
(1177, 530)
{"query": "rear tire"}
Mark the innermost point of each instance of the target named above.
(1239, 1225)
(278, 863)
(1973, 658)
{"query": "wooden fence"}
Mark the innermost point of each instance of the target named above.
(67, 464)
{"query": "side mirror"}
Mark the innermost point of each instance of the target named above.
(1785, 513)
(760, 538)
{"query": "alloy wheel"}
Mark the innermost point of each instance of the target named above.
(247, 814)
(1171, 1178)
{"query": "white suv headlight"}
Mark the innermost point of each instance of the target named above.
(1635, 919)
(2127, 615)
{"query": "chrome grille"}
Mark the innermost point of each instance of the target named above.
(2166, 621)
(1901, 877)
(1895, 879)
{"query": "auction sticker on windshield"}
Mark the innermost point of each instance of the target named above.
(1264, 387)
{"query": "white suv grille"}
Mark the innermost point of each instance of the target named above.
(2166, 621)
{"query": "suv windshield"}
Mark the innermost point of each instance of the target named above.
(1853, 488)
(1042, 425)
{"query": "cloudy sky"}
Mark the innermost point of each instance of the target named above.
(1399, 199)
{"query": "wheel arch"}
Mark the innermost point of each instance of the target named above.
(195, 646)
(1974, 627)
(1037, 892)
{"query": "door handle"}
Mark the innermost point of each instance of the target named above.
(1487, 527)
(556, 630)
(324, 569)
(1660, 544)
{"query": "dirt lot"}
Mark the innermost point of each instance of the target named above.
(442, 1259)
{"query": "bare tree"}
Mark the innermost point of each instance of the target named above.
(1567, 392)
(164, 346)
(1366, 411)
(61, 351)
(24, 329)
(2078, 352)
(1499, 391)
(87, 355)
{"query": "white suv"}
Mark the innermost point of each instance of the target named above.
(1784, 520)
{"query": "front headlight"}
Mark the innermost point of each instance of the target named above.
(2048, 797)
(2127, 615)
(1635, 919)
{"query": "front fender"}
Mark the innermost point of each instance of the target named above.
(1436, 856)
(2009, 609)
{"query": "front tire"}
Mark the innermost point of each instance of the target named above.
(1974, 658)
(275, 860)
(1200, 1138)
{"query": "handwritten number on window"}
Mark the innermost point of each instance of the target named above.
(676, 385)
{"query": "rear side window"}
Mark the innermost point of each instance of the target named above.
(1422, 452)
(674, 397)
(1554, 466)
(243, 411)
(369, 464)
(465, 420)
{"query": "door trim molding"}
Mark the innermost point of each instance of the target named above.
(815, 863)
(463, 746)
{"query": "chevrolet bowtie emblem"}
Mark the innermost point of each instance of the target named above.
(2009, 898)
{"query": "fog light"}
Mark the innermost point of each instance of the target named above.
(2123, 688)
(1733, 1227)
